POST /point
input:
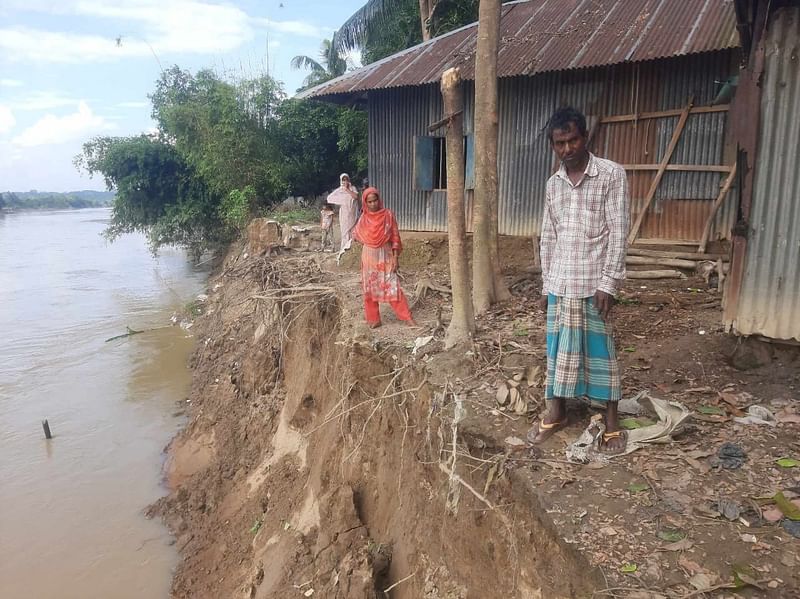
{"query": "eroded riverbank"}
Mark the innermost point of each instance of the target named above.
(324, 456)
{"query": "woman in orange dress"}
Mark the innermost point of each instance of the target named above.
(377, 231)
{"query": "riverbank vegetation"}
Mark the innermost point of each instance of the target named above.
(46, 200)
(224, 150)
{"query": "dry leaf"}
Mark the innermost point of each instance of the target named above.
(502, 395)
(789, 560)
(700, 581)
(699, 453)
(608, 531)
(682, 545)
(748, 538)
(514, 441)
(688, 565)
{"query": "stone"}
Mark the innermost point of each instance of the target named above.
(749, 353)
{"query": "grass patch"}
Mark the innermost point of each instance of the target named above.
(194, 308)
(290, 215)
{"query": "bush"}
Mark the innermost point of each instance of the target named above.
(237, 207)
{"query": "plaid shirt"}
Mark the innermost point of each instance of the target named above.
(584, 231)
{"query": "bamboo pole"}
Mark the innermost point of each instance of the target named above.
(660, 173)
(717, 203)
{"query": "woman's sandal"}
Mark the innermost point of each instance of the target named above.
(541, 431)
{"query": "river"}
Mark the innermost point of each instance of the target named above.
(71, 509)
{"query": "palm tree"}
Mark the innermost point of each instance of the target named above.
(331, 64)
(375, 14)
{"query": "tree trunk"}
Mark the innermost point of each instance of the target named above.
(501, 292)
(425, 9)
(484, 241)
(462, 325)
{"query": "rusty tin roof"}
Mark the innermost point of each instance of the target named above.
(539, 36)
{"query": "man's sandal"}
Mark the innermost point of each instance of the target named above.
(541, 431)
(606, 437)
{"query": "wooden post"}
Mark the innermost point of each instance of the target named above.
(462, 324)
(717, 203)
(46, 428)
(662, 167)
(487, 282)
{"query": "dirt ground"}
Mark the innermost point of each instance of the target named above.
(326, 459)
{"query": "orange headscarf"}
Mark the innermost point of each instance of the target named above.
(376, 229)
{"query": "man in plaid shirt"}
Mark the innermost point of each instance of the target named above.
(583, 245)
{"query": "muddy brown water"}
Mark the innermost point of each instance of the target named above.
(71, 509)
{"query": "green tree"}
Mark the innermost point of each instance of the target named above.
(309, 141)
(236, 209)
(331, 64)
(158, 193)
(381, 28)
(353, 140)
(225, 131)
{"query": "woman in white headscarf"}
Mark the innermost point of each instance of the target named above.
(346, 197)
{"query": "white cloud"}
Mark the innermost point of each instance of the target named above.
(161, 28)
(300, 28)
(10, 83)
(36, 45)
(145, 27)
(7, 120)
(52, 129)
(180, 26)
(43, 100)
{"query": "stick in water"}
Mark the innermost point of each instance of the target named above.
(46, 428)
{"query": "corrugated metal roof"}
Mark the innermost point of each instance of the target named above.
(540, 36)
(769, 301)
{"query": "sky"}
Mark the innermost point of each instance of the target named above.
(74, 69)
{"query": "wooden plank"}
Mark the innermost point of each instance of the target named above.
(623, 118)
(651, 193)
(686, 242)
(717, 203)
(634, 251)
(670, 262)
(694, 168)
(655, 274)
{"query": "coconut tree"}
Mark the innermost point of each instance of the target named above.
(331, 64)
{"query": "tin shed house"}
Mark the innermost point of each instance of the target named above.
(651, 75)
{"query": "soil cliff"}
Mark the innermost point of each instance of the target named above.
(325, 459)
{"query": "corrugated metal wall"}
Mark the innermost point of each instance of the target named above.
(395, 118)
(525, 157)
(769, 301)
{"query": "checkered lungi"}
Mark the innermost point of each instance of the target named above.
(581, 360)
